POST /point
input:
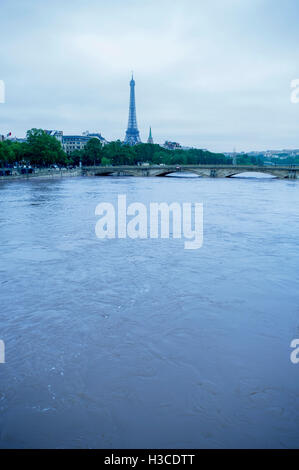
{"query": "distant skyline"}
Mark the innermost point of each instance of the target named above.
(212, 75)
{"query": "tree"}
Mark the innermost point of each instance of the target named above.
(5, 155)
(75, 157)
(43, 149)
(106, 161)
(120, 154)
(92, 153)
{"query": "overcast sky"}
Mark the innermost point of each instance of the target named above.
(213, 74)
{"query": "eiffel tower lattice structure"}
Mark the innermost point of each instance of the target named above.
(132, 133)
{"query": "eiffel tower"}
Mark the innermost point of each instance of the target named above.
(132, 133)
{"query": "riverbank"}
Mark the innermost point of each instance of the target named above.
(43, 173)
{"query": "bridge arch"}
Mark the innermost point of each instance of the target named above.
(177, 171)
(247, 173)
(102, 173)
(115, 173)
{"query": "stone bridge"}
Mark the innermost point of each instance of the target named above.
(210, 171)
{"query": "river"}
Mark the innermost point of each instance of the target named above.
(129, 343)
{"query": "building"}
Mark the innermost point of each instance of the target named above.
(19, 140)
(171, 145)
(57, 134)
(150, 138)
(70, 143)
(132, 133)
